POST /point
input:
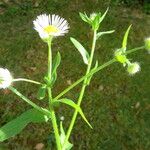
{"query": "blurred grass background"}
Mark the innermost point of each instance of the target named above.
(116, 104)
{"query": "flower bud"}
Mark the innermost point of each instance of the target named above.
(133, 68)
(147, 44)
(5, 78)
(92, 16)
(120, 56)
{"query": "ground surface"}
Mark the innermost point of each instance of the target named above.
(116, 104)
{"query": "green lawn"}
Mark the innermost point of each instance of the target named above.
(116, 104)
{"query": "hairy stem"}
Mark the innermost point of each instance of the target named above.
(53, 116)
(42, 110)
(82, 89)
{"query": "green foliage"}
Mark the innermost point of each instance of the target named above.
(94, 20)
(99, 34)
(95, 67)
(81, 49)
(124, 125)
(120, 53)
(55, 65)
(75, 106)
(68, 145)
(17, 125)
(42, 92)
(125, 38)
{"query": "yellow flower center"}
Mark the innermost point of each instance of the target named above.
(50, 29)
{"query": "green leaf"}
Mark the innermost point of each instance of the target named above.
(17, 125)
(56, 63)
(95, 23)
(81, 49)
(84, 17)
(68, 145)
(42, 92)
(75, 106)
(89, 79)
(125, 38)
(47, 80)
(103, 16)
(103, 33)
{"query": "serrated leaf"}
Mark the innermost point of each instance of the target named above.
(42, 92)
(17, 125)
(56, 63)
(75, 106)
(125, 38)
(81, 49)
(103, 33)
(68, 145)
(89, 79)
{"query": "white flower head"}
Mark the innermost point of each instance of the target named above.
(50, 26)
(133, 68)
(92, 16)
(5, 78)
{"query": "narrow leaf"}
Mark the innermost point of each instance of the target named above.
(75, 106)
(81, 49)
(42, 92)
(125, 38)
(103, 16)
(103, 33)
(56, 63)
(95, 24)
(17, 125)
(68, 145)
(84, 17)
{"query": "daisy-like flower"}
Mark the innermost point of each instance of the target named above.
(5, 78)
(50, 26)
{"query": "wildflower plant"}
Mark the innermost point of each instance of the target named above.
(49, 27)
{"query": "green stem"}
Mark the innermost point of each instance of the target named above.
(42, 110)
(26, 80)
(49, 59)
(134, 49)
(82, 89)
(93, 72)
(53, 116)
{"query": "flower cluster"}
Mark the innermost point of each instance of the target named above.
(132, 68)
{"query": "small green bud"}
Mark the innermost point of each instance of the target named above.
(133, 68)
(120, 56)
(147, 44)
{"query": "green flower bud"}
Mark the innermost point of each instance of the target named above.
(133, 68)
(147, 44)
(120, 56)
